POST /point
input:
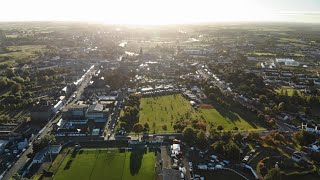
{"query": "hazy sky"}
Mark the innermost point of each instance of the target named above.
(160, 11)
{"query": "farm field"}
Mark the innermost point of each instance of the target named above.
(19, 53)
(166, 110)
(107, 164)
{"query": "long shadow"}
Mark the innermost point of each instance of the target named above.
(68, 165)
(225, 112)
(135, 161)
(248, 116)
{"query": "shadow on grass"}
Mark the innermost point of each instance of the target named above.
(248, 116)
(226, 113)
(68, 165)
(135, 161)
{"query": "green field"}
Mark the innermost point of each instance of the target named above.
(228, 119)
(261, 54)
(108, 164)
(289, 90)
(19, 53)
(290, 40)
(163, 110)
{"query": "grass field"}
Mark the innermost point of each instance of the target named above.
(163, 110)
(108, 164)
(261, 54)
(289, 90)
(228, 119)
(290, 40)
(18, 53)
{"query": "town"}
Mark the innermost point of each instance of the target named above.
(96, 101)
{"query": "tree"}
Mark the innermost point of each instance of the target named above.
(43, 142)
(16, 88)
(218, 147)
(17, 176)
(304, 137)
(164, 127)
(201, 125)
(267, 110)
(273, 174)
(253, 135)
(226, 136)
(137, 128)
(123, 124)
(10, 72)
(220, 128)
(146, 126)
(18, 79)
(214, 135)
(263, 99)
(281, 106)
(232, 150)
(201, 139)
(189, 134)
(238, 137)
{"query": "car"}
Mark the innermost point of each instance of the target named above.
(214, 157)
(226, 162)
(245, 159)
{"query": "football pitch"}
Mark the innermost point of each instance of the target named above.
(107, 164)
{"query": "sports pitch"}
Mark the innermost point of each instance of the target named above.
(107, 164)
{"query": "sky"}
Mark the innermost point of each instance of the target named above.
(153, 12)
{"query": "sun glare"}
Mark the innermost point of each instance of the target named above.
(145, 12)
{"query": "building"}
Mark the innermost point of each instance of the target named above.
(97, 113)
(75, 112)
(287, 62)
(42, 112)
(3, 144)
(49, 150)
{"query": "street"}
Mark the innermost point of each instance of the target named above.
(23, 158)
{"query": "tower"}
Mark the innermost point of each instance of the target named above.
(141, 52)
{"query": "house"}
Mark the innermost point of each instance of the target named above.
(40, 156)
(42, 112)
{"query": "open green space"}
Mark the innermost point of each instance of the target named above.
(290, 40)
(20, 53)
(289, 90)
(108, 164)
(261, 54)
(228, 119)
(166, 110)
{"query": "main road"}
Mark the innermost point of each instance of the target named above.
(23, 158)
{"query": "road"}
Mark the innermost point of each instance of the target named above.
(23, 158)
(113, 117)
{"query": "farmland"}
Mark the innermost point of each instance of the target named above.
(21, 53)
